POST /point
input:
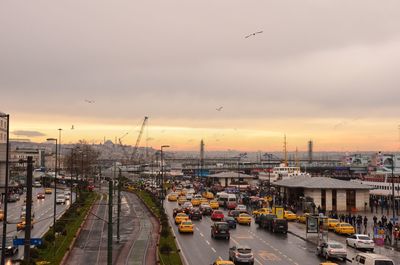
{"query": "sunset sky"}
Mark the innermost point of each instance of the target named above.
(321, 70)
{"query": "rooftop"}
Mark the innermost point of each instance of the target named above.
(320, 183)
(231, 174)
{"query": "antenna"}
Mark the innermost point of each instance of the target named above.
(285, 151)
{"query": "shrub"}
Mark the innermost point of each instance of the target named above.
(49, 236)
(165, 249)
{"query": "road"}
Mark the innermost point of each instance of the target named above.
(268, 248)
(135, 234)
(43, 219)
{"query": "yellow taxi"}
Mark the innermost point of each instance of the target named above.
(48, 191)
(196, 202)
(186, 227)
(289, 215)
(173, 197)
(262, 211)
(21, 225)
(332, 223)
(328, 263)
(223, 262)
(244, 219)
(214, 204)
(303, 218)
(184, 192)
(182, 200)
(1, 215)
(344, 228)
(208, 195)
(181, 217)
(203, 200)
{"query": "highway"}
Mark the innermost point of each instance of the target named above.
(43, 219)
(268, 248)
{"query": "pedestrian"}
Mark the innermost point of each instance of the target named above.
(365, 221)
(375, 219)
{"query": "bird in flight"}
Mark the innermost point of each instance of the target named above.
(89, 101)
(219, 109)
(72, 127)
(253, 34)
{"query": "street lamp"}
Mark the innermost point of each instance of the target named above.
(70, 172)
(55, 189)
(162, 175)
(241, 155)
(393, 201)
(3, 249)
(269, 170)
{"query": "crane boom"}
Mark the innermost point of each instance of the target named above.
(134, 152)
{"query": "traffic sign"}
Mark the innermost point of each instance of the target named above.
(21, 241)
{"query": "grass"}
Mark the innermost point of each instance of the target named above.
(70, 221)
(173, 257)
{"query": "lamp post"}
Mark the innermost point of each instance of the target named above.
(241, 155)
(70, 172)
(269, 170)
(162, 175)
(3, 249)
(55, 189)
(393, 201)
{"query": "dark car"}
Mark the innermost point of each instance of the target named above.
(266, 221)
(177, 210)
(234, 213)
(220, 230)
(231, 221)
(279, 225)
(206, 210)
(40, 196)
(241, 254)
(195, 214)
(11, 249)
(13, 198)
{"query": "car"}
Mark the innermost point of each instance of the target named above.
(243, 219)
(13, 198)
(206, 210)
(223, 262)
(196, 201)
(241, 208)
(261, 211)
(359, 241)
(181, 200)
(181, 217)
(208, 195)
(328, 263)
(220, 230)
(10, 249)
(189, 196)
(23, 211)
(195, 214)
(173, 197)
(332, 249)
(241, 254)
(60, 198)
(289, 215)
(234, 213)
(1, 215)
(371, 259)
(303, 218)
(48, 191)
(204, 200)
(186, 227)
(279, 225)
(266, 221)
(214, 204)
(217, 215)
(344, 228)
(40, 196)
(332, 223)
(175, 211)
(37, 184)
(231, 221)
(22, 224)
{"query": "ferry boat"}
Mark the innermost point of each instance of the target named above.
(281, 172)
(382, 183)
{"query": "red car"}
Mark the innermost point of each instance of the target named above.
(217, 215)
(40, 196)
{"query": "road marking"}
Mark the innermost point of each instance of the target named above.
(197, 229)
(234, 241)
(258, 261)
(214, 250)
(207, 242)
(201, 234)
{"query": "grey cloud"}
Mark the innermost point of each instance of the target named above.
(28, 133)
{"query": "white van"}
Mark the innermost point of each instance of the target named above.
(371, 259)
(232, 201)
(222, 197)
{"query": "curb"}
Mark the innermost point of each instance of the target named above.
(301, 237)
(71, 246)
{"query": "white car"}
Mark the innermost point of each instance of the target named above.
(371, 259)
(37, 184)
(60, 199)
(67, 195)
(360, 241)
(241, 208)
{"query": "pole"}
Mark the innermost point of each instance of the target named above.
(393, 206)
(28, 213)
(119, 204)
(72, 166)
(162, 179)
(110, 226)
(55, 195)
(3, 250)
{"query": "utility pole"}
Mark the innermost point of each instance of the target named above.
(28, 213)
(119, 204)
(393, 201)
(4, 235)
(110, 224)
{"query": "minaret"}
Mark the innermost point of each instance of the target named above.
(201, 157)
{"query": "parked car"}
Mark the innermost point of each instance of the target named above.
(279, 225)
(10, 248)
(332, 250)
(360, 241)
(241, 254)
(332, 223)
(220, 230)
(371, 259)
(231, 221)
(217, 215)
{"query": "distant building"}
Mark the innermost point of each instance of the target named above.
(230, 178)
(328, 193)
(38, 156)
(3, 147)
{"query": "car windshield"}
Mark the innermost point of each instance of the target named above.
(244, 250)
(364, 238)
(229, 218)
(383, 262)
(218, 212)
(181, 214)
(187, 223)
(335, 245)
(346, 225)
(223, 226)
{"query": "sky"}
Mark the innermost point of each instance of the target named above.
(320, 70)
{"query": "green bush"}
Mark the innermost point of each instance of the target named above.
(165, 249)
(49, 237)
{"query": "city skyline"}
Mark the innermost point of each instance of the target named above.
(318, 71)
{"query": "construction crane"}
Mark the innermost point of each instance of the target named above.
(135, 149)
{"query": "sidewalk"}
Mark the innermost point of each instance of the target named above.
(299, 230)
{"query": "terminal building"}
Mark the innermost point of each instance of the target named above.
(328, 193)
